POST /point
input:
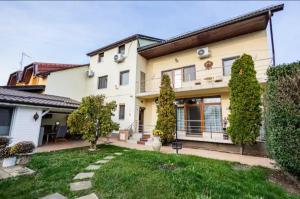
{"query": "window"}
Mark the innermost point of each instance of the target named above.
(100, 57)
(124, 78)
(142, 83)
(122, 111)
(212, 118)
(121, 49)
(102, 82)
(5, 120)
(227, 64)
(180, 118)
(189, 73)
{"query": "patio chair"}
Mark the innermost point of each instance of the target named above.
(61, 133)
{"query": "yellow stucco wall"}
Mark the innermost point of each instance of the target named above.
(255, 44)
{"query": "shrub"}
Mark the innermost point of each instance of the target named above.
(166, 119)
(23, 147)
(6, 152)
(245, 102)
(4, 141)
(282, 104)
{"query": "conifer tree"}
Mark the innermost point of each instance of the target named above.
(245, 102)
(166, 119)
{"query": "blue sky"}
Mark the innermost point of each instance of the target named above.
(64, 32)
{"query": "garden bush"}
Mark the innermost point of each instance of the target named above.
(23, 147)
(4, 141)
(6, 153)
(282, 104)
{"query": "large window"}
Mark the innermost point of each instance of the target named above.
(5, 120)
(189, 73)
(227, 64)
(180, 118)
(124, 78)
(122, 111)
(213, 119)
(102, 82)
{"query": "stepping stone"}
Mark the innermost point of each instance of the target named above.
(77, 186)
(118, 153)
(81, 176)
(90, 196)
(93, 167)
(109, 157)
(54, 196)
(102, 161)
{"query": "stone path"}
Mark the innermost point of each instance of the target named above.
(14, 171)
(82, 181)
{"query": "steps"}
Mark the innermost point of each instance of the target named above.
(144, 139)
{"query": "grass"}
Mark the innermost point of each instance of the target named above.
(142, 174)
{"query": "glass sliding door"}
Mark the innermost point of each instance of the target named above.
(213, 118)
(180, 118)
(193, 119)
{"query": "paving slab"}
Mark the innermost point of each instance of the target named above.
(93, 167)
(90, 196)
(14, 171)
(77, 186)
(109, 157)
(81, 176)
(118, 153)
(102, 161)
(54, 196)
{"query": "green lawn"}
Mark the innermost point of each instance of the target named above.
(141, 174)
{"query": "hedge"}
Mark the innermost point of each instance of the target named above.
(283, 116)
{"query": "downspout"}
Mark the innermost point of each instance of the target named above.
(272, 39)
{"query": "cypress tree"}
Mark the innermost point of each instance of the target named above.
(166, 119)
(245, 102)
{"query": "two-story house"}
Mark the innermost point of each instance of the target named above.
(199, 65)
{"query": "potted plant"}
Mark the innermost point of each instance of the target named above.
(9, 158)
(156, 144)
(23, 150)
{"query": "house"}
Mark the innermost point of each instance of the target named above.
(199, 64)
(33, 78)
(24, 115)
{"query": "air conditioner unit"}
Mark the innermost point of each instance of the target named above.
(90, 73)
(119, 57)
(203, 52)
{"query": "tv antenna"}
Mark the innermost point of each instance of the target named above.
(22, 59)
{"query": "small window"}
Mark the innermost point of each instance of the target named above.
(227, 64)
(122, 111)
(143, 83)
(5, 120)
(100, 57)
(124, 78)
(121, 49)
(102, 82)
(189, 73)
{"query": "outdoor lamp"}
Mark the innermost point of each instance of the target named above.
(36, 116)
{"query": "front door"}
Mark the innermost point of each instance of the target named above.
(141, 119)
(193, 116)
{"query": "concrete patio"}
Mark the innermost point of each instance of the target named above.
(243, 159)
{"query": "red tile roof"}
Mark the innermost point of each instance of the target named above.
(45, 68)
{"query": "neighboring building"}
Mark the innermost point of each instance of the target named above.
(199, 65)
(23, 115)
(33, 78)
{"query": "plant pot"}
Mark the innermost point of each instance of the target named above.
(9, 162)
(23, 158)
(156, 144)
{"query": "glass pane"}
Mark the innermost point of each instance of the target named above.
(189, 74)
(180, 118)
(121, 111)
(143, 85)
(194, 119)
(213, 120)
(227, 63)
(124, 78)
(5, 120)
(212, 100)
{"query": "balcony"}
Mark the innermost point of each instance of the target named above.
(206, 82)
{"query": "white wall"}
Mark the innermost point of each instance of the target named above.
(121, 94)
(24, 127)
(68, 83)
